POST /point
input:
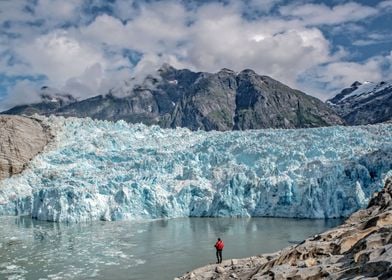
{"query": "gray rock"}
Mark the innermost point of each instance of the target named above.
(366, 103)
(263, 102)
(219, 270)
(359, 249)
(181, 98)
(21, 139)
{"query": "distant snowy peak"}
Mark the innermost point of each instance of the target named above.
(358, 91)
(364, 103)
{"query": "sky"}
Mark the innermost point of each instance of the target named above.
(88, 47)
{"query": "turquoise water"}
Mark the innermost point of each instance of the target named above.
(160, 249)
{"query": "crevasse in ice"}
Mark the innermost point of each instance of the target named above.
(99, 170)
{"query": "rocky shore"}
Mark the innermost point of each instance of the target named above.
(21, 138)
(361, 248)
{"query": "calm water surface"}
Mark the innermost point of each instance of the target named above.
(161, 249)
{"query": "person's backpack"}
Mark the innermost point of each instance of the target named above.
(219, 245)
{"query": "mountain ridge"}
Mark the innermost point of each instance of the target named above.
(225, 100)
(364, 103)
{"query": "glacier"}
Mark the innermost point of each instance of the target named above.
(100, 170)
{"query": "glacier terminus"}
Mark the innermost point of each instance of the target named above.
(101, 170)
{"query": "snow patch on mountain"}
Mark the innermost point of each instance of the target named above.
(367, 89)
(366, 103)
(359, 91)
(100, 170)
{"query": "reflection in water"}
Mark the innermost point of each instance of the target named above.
(160, 249)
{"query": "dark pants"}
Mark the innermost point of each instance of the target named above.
(219, 255)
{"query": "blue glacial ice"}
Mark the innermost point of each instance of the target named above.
(99, 170)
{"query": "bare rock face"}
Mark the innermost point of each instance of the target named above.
(21, 139)
(361, 248)
(172, 98)
(364, 103)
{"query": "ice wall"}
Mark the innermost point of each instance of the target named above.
(99, 170)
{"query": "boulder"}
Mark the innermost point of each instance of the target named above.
(21, 139)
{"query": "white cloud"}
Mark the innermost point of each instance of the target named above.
(59, 56)
(23, 92)
(14, 10)
(86, 58)
(316, 14)
(70, 64)
(156, 28)
(218, 37)
(340, 74)
(373, 38)
(366, 42)
(388, 66)
(57, 10)
(385, 5)
(348, 28)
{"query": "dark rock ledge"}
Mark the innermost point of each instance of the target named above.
(361, 248)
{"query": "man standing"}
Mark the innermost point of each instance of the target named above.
(219, 247)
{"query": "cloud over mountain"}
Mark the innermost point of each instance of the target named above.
(88, 47)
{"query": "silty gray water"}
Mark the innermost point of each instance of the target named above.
(160, 249)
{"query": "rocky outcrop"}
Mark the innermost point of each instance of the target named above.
(21, 139)
(360, 248)
(364, 103)
(197, 100)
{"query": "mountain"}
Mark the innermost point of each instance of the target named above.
(210, 101)
(364, 103)
(51, 101)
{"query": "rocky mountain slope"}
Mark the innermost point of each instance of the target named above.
(364, 103)
(360, 248)
(181, 98)
(20, 140)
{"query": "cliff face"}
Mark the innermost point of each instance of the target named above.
(116, 171)
(366, 103)
(197, 100)
(361, 247)
(20, 140)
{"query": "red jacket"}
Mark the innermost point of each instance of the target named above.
(219, 245)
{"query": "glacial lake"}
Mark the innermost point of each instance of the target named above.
(159, 249)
